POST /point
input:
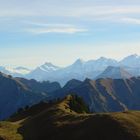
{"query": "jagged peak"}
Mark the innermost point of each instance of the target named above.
(79, 61)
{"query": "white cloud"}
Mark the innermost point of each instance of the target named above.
(131, 20)
(62, 30)
(68, 8)
(73, 10)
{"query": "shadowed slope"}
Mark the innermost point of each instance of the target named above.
(105, 95)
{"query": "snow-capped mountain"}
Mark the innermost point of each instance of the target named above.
(115, 73)
(131, 61)
(100, 64)
(42, 72)
(18, 70)
(48, 67)
(79, 70)
(15, 71)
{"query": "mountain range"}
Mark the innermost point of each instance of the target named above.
(113, 89)
(79, 70)
(34, 110)
(105, 95)
(17, 93)
(101, 95)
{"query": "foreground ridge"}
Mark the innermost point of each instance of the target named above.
(59, 121)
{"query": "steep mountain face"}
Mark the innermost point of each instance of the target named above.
(60, 122)
(14, 95)
(115, 73)
(106, 95)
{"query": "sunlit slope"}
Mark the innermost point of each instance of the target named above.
(59, 121)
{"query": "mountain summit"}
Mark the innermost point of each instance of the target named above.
(48, 67)
(115, 73)
(41, 72)
(131, 61)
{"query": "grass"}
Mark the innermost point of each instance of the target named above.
(9, 131)
(60, 122)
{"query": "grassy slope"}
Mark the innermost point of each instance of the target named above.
(8, 131)
(60, 122)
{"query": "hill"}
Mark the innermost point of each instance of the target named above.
(59, 121)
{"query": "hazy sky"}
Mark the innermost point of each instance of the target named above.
(60, 31)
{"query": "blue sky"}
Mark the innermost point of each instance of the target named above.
(60, 31)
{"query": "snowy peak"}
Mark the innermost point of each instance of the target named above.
(102, 63)
(19, 70)
(131, 61)
(115, 73)
(49, 67)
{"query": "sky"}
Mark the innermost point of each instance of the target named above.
(33, 32)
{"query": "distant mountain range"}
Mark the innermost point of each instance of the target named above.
(101, 95)
(80, 70)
